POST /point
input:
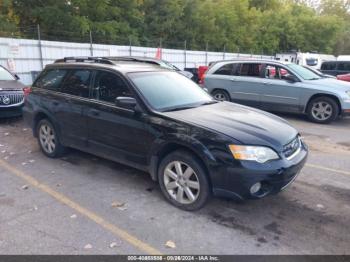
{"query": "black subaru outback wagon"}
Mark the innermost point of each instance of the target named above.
(163, 123)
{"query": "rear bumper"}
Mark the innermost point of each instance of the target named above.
(10, 111)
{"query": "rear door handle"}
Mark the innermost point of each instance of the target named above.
(55, 103)
(233, 79)
(94, 112)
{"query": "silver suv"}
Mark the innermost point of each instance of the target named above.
(279, 87)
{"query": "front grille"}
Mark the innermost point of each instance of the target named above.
(292, 147)
(11, 98)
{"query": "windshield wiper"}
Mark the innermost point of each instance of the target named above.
(315, 78)
(189, 107)
(179, 108)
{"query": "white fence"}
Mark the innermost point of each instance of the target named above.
(27, 56)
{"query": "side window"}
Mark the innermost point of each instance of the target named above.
(344, 66)
(328, 66)
(109, 86)
(347, 66)
(275, 72)
(225, 70)
(77, 83)
(250, 69)
(51, 79)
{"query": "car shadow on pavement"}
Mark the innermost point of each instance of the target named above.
(11, 121)
(275, 220)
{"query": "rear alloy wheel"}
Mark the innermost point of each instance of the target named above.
(48, 139)
(221, 95)
(183, 181)
(323, 110)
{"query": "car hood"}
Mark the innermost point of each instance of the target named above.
(247, 125)
(330, 84)
(12, 85)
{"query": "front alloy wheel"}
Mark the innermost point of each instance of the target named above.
(183, 180)
(323, 110)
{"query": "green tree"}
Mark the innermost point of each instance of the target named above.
(8, 19)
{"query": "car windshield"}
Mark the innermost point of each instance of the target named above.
(169, 91)
(304, 73)
(5, 75)
(314, 71)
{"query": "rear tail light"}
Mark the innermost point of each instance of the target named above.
(27, 90)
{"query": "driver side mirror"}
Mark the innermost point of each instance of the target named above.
(291, 78)
(17, 77)
(126, 102)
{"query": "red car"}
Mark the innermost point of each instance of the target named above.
(345, 77)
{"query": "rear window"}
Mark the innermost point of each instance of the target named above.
(77, 83)
(250, 69)
(328, 66)
(51, 79)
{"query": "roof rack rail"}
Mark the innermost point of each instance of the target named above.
(85, 59)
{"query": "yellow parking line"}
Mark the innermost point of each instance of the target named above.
(83, 211)
(329, 169)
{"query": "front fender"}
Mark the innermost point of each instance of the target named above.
(163, 146)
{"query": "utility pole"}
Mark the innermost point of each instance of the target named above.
(185, 53)
(40, 47)
(91, 47)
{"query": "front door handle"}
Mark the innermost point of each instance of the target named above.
(233, 79)
(55, 103)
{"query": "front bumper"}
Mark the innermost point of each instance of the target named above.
(274, 176)
(12, 111)
(345, 108)
(346, 112)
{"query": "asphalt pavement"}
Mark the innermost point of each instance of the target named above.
(82, 204)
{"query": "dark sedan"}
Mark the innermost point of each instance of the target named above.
(11, 94)
(163, 123)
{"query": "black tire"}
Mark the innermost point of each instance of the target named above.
(198, 177)
(58, 149)
(221, 95)
(322, 116)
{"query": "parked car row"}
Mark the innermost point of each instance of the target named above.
(161, 122)
(151, 116)
(279, 87)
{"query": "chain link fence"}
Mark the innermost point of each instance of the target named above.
(29, 49)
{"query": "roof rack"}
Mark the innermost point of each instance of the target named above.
(87, 59)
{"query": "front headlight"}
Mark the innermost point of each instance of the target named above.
(253, 153)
